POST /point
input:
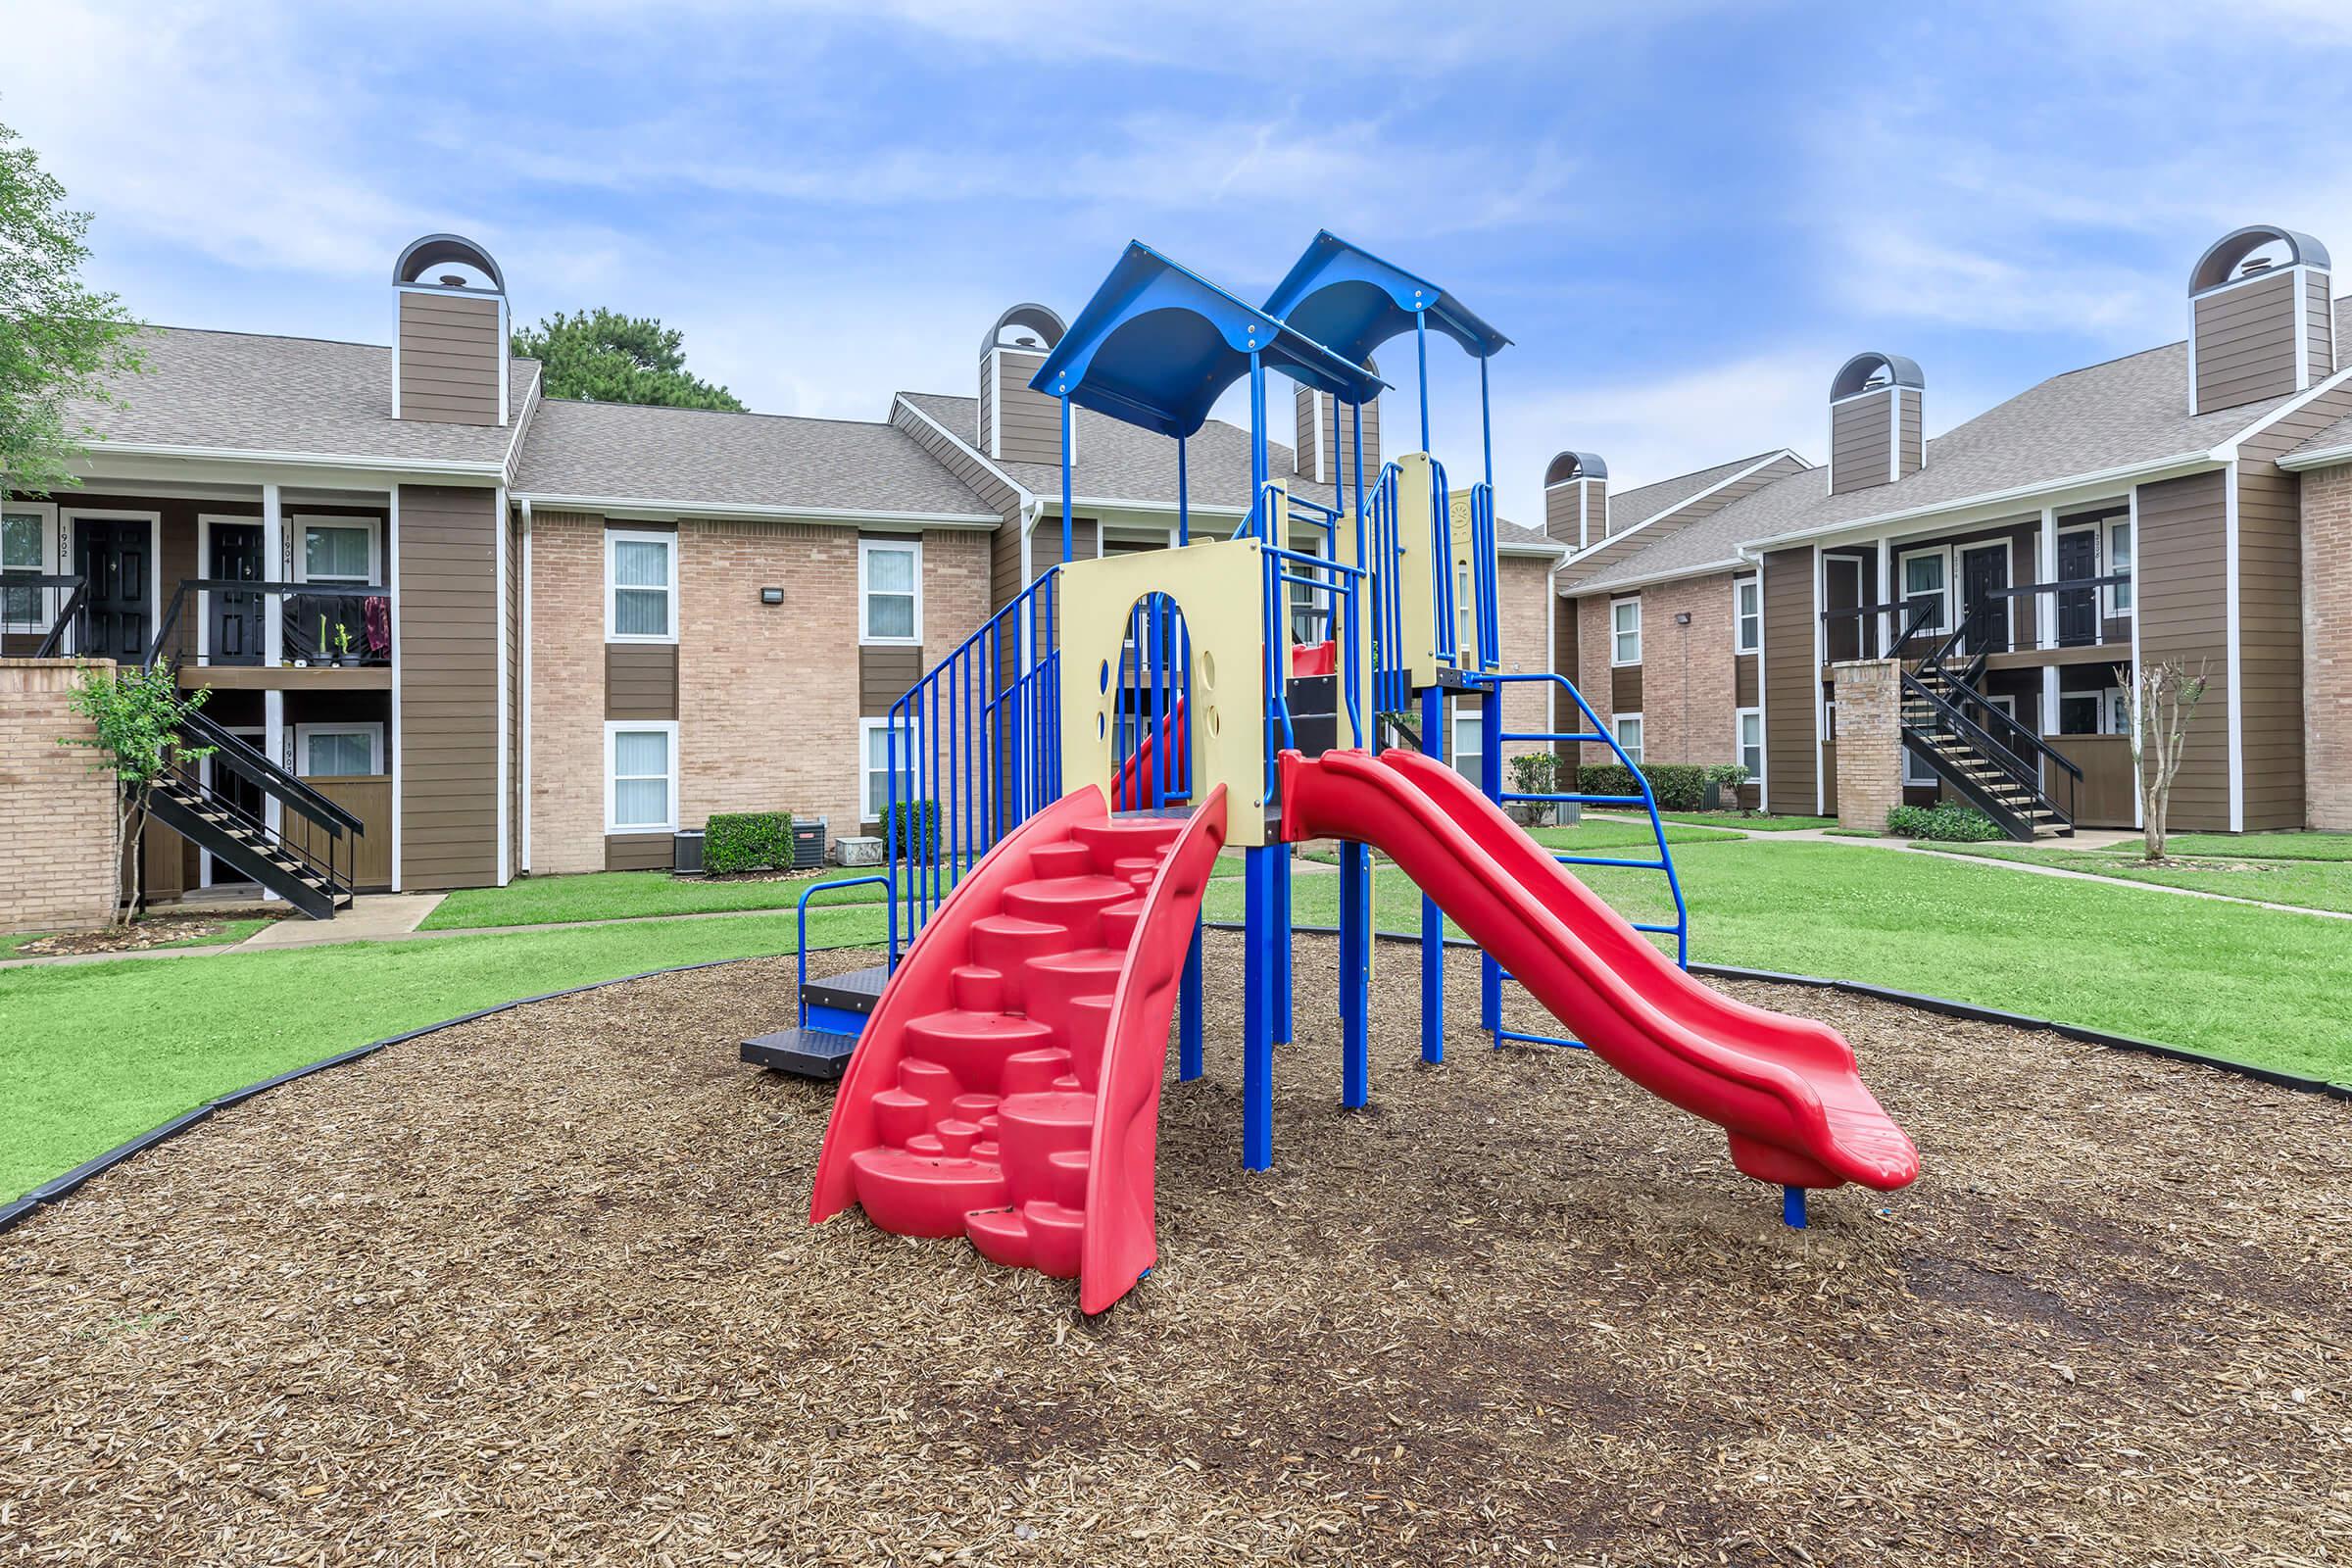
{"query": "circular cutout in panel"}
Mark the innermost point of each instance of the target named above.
(1101, 727)
(1208, 670)
(1215, 724)
(1102, 681)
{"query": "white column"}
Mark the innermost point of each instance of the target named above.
(273, 643)
(1888, 622)
(2046, 570)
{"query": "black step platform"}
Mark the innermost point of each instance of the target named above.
(853, 991)
(804, 1052)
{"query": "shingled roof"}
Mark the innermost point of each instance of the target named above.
(2125, 414)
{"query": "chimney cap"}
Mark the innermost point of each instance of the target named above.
(2219, 264)
(1856, 375)
(1574, 466)
(440, 250)
(1038, 318)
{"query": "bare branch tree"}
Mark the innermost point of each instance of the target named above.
(2164, 700)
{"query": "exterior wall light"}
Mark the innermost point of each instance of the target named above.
(772, 596)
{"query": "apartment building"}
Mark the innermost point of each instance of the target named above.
(456, 631)
(2187, 504)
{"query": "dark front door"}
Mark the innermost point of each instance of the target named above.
(234, 789)
(2078, 608)
(116, 559)
(235, 635)
(1841, 585)
(1983, 573)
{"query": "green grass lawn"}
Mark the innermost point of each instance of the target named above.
(625, 895)
(2249, 846)
(1748, 823)
(91, 1055)
(231, 931)
(2318, 882)
(2252, 984)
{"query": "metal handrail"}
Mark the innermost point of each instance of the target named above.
(337, 883)
(2008, 763)
(801, 915)
(272, 780)
(259, 589)
(34, 582)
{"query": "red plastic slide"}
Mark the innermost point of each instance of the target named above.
(1006, 1087)
(1786, 1089)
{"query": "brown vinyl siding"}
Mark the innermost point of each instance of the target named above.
(1625, 688)
(884, 675)
(1860, 430)
(1028, 423)
(1564, 661)
(641, 680)
(2181, 589)
(1790, 681)
(1338, 421)
(2104, 797)
(1004, 582)
(985, 410)
(1911, 435)
(639, 852)
(449, 358)
(2318, 326)
(2245, 342)
(1744, 681)
(447, 646)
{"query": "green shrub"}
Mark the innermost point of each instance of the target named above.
(1676, 786)
(746, 840)
(1727, 775)
(1534, 773)
(1948, 823)
(912, 827)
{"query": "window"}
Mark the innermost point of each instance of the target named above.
(876, 757)
(339, 751)
(641, 777)
(24, 547)
(1467, 729)
(1923, 585)
(1750, 721)
(641, 586)
(1628, 729)
(1748, 615)
(890, 594)
(1915, 767)
(2094, 712)
(336, 551)
(1625, 632)
(2119, 564)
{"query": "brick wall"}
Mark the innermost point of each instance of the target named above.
(568, 692)
(1593, 671)
(1870, 748)
(57, 816)
(1522, 604)
(2328, 646)
(1688, 674)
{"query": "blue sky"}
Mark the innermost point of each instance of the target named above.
(1687, 214)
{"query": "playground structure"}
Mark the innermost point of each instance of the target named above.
(1073, 768)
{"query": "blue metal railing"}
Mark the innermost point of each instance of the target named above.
(1594, 733)
(1440, 564)
(1335, 581)
(801, 916)
(1155, 689)
(972, 751)
(1485, 592)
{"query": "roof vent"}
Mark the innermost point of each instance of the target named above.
(449, 360)
(1877, 414)
(1015, 424)
(1576, 498)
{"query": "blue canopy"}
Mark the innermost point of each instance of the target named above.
(1342, 295)
(1158, 344)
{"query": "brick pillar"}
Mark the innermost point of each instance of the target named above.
(2326, 661)
(1870, 743)
(57, 813)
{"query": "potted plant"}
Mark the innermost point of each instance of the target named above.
(1723, 787)
(343, 651)
(1533, 773)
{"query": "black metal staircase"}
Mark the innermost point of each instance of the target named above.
(1991, 761)
(186, 802)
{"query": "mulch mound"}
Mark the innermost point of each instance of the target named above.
(151, 931)
(540, 1289)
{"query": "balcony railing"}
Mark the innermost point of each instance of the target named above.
(43, 606)
(224, 621)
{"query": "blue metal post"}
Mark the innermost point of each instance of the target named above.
(1355, 968)
(1490, 783)
(1485, 422)
(1068, 448)
(1184, 499)
(1188, 1016)
(1258, 1010)
(1792, 1208)
(1258, 431)
(1433, 920)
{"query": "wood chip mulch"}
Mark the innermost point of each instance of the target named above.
(539, 1290)
(150, 931)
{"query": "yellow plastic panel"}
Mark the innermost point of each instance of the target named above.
(1416, 586)
(1218, 587)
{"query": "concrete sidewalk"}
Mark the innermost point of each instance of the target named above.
(371, 917)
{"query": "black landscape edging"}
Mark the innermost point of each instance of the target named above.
(61, 1187)
(1946, 1006)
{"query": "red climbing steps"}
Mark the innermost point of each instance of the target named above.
(1027, 1024)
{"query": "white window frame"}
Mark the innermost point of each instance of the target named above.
(294, 532)
(2107, 567)
(1616, 632)
(870, 807)
(1473, 713)
(1617, 723)
(615, 728)
(1903, 594)
(913, 545)
(615, 537)
(1740, 718)
(1861, 565)
(1917, 774)
(45, 600)
(302, 747)
(1740, 616)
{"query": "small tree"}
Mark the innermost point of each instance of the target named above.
(138, 714)
(62, 343)
(2164, 700)
(604, 356)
